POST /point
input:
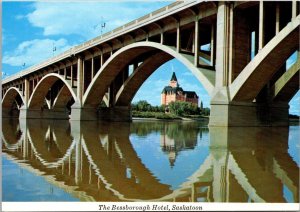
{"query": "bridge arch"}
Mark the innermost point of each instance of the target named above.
(10, 97)
(138, 77)
(12, 134)
(260, 70)
(36, 100)
(122, 57)
(62, 145)
(286, 87)
(12, 102)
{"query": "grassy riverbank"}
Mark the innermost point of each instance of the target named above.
(165, 116)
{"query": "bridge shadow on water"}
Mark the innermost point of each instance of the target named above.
(157, 161)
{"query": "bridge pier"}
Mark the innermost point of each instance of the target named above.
(79, 113)
(9, 113)
(120, 113)
(103, 114)
(248, 114)
(26, 113)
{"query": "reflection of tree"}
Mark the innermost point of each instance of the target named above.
(172, 129)
(175, 136)
(184, 134)
(144, 128)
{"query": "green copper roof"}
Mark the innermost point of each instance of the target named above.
(188, 94)
(173, 78)
(170, 89)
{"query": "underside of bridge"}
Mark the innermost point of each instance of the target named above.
(244, 69)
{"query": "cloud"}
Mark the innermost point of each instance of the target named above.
(85, 18)
(19, 17)
(34, 51)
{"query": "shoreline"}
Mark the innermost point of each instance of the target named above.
(179, 119)
(183, 119)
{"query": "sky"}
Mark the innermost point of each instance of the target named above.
(31, 30)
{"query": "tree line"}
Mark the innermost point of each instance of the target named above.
(177, 108)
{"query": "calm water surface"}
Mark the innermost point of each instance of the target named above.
(153, 161)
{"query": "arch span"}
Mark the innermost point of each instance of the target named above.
(36, 100)
(138, 77)
(10, 97)
(125, 55)
(12, 102)
(62, 99)
(288, 84)
(260, 70)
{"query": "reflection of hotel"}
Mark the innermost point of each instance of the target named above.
(168, 146)
(172, 146)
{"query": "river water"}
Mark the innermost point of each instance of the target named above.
(148, 161)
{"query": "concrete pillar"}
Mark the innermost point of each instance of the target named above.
(33, 84)
(277, 25)
(78, 162)
(58, 114)
(72, 76)
(86, 113)
(243, 114)
(65, 72)
(212, 45)
(79, 79)
(220, 174)
(25, 144)
(196, 58)
(90, 173)
(116, 113)
(26, 92)
(223, 47)
(101, 60)
(111, 95)
(178, 37)
(261, 26)
(161, 37)
(70, 164)
(93, 69)
(294, 9)
(83, 76)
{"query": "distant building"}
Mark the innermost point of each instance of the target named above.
(173, 93)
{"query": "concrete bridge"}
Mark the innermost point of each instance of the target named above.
(244, 70)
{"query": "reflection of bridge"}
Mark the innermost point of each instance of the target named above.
(245, 89)
(99, 165)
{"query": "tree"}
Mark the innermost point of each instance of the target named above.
(206, 111)
(183, 108)
(143, 106)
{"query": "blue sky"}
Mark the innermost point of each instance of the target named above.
(30, 30)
